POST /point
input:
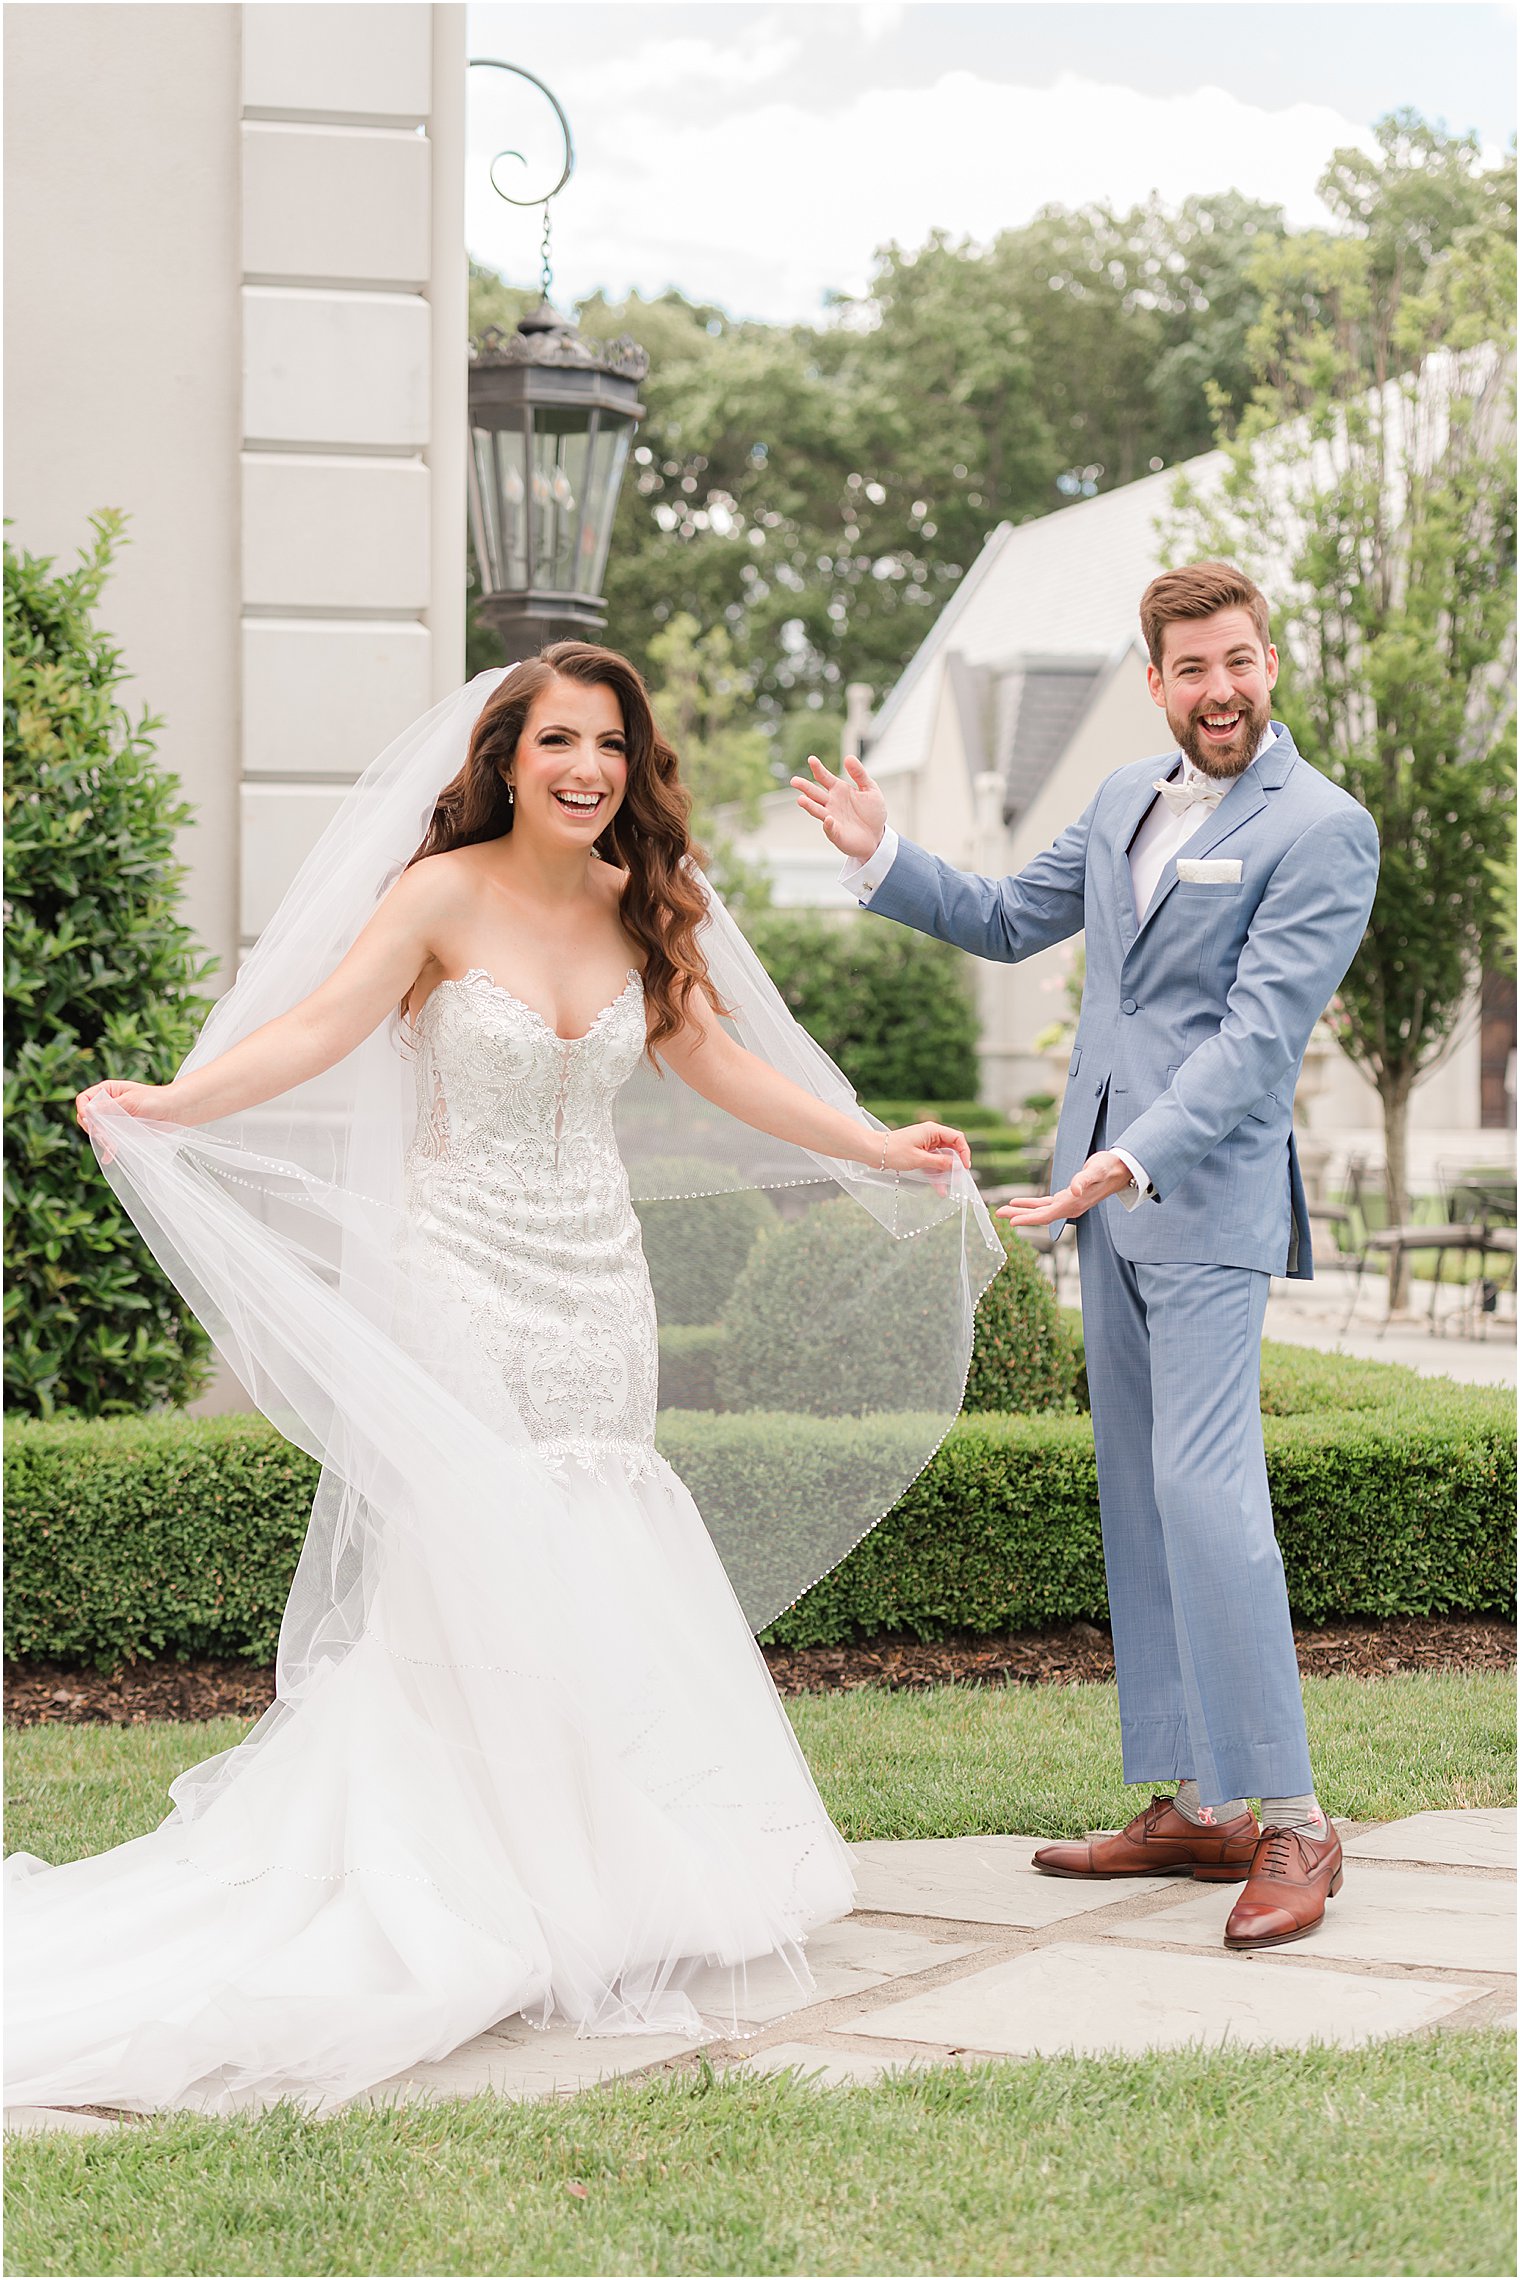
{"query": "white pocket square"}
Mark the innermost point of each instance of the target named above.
(1209, 871)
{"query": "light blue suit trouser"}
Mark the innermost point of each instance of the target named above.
(1203, 1641)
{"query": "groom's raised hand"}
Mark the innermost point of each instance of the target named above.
(1102, 1175)
(850, 808)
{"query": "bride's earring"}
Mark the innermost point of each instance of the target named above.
(511, 795)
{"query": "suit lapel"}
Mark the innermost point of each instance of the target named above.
(1134, 813)
(1246, 797)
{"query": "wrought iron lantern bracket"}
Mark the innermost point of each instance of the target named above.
(552, 415)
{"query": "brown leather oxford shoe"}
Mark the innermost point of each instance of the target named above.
(1293, 1873)
(1160, 1842)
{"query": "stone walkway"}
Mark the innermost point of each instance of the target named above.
(1478, 1349)
(959, 1950)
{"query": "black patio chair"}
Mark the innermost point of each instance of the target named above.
(1467, 1230)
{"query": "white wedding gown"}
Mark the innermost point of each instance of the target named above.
(598, 1808)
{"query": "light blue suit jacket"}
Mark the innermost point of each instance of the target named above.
(1194, 1021)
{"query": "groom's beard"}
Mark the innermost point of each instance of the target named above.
(1224, 760)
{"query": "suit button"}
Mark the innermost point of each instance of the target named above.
(1128, 1006)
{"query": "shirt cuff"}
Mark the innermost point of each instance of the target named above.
(863, 878)
(1141, 1187)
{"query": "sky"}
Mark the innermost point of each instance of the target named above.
(755, 156)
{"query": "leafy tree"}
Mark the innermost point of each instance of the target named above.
(821, 490)
(100, 976)
(1372, 489)
(894, 1009)
(725, 763)
(494, 302)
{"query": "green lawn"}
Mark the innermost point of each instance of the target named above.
(1391, 2160)
(950, 1761)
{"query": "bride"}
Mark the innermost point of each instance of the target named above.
(525, 1758)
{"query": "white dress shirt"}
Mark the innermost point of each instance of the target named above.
(1161, 836)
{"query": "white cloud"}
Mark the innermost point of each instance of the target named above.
(878, 19)
(763, 205)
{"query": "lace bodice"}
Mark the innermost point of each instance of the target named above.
(516, 1188)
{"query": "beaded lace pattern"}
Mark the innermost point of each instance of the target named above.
(516, 1189)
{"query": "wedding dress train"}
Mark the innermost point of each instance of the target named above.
(548, 1775)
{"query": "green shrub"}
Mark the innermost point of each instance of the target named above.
(969, 1116)
(696, 1245)
(100, 978)
(1022, 1357)
(894, 1009)
(138, 1536)
(143, 1536)
(689, 1365)
(1405, 1510)
(795, 1319)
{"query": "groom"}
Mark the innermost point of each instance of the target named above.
(1223, 890)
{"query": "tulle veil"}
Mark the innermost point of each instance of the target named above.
(816, 1325)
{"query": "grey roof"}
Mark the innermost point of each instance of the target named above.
(1065, 587)
(1040, 701)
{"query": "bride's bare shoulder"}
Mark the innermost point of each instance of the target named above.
(441, 878)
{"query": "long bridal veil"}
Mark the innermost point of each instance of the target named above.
(816, 1324)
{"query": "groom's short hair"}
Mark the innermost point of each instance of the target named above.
(1198, 590)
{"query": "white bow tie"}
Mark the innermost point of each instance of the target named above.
(1190, 792)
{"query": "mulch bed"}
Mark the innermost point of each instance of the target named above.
(48, 1694)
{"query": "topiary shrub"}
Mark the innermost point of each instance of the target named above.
(1022, 1358)
(696, 1245)
(101, 978)
(689, 1365)
(793, 1322)
(895, 1010)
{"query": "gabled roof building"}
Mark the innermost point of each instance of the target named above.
(1028, 690)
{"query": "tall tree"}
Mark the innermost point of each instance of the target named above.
(1371, 488)
(725, 760)
(820, 491)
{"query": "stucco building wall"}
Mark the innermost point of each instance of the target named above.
(236, 309)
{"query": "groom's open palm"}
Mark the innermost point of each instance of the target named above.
(849, 806)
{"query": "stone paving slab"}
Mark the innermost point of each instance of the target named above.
(981, 1880)
(1092, 1986)
(1381, 1915)
(32, 2121)
(522, 2062)
(1093, 1997)
(828, 2065)
(1461, 1839)
(846, 1959)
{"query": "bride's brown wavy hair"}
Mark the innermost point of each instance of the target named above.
(662, 902)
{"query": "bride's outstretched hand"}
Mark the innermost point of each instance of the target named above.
(931, 1148)
(849, 806)
(153, 1103)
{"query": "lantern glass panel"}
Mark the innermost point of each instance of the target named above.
(500, 494)
(561, 457)
(485, 512)
(611, 459)
(512, 496)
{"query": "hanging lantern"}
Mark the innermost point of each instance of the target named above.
(552, 417)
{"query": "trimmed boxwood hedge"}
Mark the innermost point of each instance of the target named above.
(1393, 1495)
(1023, 1356)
